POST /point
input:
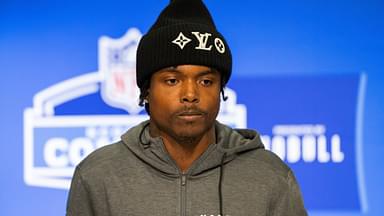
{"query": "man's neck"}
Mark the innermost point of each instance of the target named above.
(185, 150)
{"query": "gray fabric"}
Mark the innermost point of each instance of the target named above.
(134, 178)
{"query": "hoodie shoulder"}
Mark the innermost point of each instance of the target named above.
(103, 157)
(114, 153)
(271, 160)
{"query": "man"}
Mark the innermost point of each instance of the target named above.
(182, 161)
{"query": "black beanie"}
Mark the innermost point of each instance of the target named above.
(184, 33)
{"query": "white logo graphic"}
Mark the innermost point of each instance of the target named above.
(306, 142)
(54, 144)
(219, 44)
(181, 40)
(212, 215)
(117, 65)
(203, 39)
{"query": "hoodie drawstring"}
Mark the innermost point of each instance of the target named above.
(145, 144)
(220, 183)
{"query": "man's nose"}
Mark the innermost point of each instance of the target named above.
(189, 93)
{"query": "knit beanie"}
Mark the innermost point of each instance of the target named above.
(184, 33)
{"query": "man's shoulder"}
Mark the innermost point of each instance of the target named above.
(113, 154)
(267, 161)
(103, 158)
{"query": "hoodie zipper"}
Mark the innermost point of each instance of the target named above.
(183, 203)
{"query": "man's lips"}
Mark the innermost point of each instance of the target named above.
(190, 115)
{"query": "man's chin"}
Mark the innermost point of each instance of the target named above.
(190, 134)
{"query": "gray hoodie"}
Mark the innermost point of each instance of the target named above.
(136, 176)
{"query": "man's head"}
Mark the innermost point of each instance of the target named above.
(184, 33)
(183, 42)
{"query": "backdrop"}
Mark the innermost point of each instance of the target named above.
(307, 75)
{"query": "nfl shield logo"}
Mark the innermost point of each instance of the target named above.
(117, 66)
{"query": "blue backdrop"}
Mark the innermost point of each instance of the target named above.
(313, 64)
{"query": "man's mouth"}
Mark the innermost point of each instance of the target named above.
(190, 115)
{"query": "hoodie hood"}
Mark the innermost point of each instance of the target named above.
(230, 142)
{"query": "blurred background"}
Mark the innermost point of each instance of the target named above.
(298, 66)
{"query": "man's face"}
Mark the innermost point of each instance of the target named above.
(184, 101)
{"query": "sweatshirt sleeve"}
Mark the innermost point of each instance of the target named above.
(289, 202)
(79, 202)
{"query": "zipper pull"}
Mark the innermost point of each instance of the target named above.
(183, 179)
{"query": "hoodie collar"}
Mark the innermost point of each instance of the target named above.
(151, 150)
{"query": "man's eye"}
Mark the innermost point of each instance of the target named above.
(171, 81)
(206, 82)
